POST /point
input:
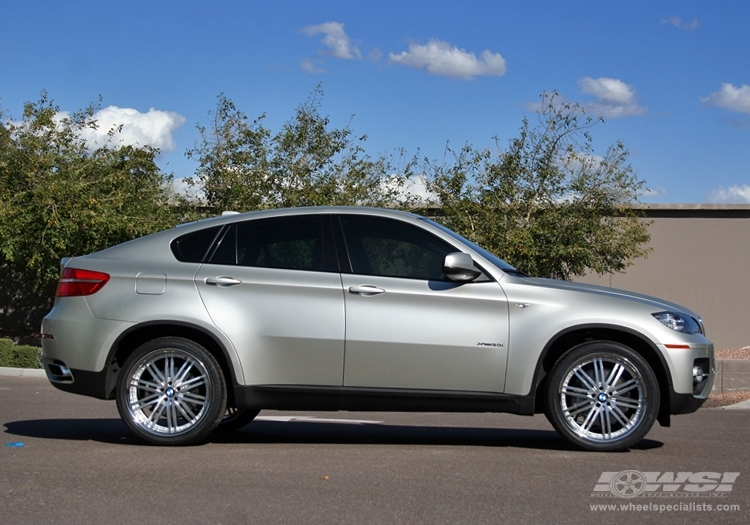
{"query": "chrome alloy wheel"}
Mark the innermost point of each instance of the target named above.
(168, 392)
(171, 391)
(603, 397)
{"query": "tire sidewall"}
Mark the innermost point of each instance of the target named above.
(213, 410)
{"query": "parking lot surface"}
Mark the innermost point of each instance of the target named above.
(69, 459)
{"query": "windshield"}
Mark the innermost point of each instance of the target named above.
(494, 259)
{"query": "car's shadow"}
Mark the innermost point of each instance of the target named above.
(307, 432)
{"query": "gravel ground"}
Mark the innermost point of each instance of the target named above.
(727, 398)
(733, 353)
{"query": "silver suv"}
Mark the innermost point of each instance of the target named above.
(202, 326)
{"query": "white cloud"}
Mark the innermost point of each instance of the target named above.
(375, 55)
(310, 66)
(415, 188)
(153, 128)
(616, 98)
(440, 58)
(733, 194)
(730, 97)
(193, 192)
(651, 193)
(335, 39)
(678, 23)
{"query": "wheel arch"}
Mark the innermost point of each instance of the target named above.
(573, 336)
(136, 335)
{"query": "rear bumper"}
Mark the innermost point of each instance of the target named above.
(76, 381)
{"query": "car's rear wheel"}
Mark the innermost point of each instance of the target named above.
(171, 392)
(236, 418)
(602, 396)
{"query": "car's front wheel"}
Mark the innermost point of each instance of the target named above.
(171, 391)
(602, 396)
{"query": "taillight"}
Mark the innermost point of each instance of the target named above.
(75, 282)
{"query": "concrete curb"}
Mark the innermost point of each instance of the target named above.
(22, 372)
(742, 405)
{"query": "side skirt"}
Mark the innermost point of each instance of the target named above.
(324, 398)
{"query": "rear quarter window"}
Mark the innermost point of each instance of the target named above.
(193, 246)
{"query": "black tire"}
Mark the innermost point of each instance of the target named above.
(171, 391)
(236, 418)
(602, 396)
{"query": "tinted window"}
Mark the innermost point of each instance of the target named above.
(294, 243)
(226, 249)
(193, 246)
(387, 247)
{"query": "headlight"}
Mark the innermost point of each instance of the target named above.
(678, 322)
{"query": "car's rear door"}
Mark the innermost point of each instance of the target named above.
(273, 287)
(409, 327)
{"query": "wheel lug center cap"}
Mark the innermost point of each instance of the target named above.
(170, 391)
(603, 397)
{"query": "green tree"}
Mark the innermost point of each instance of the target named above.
(61, 197)
(243, 166)
(546, 204)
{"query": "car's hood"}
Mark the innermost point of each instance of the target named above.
(612, 292)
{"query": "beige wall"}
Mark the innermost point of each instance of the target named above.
(700, 259)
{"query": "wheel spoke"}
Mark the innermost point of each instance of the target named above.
(148, 386)
(620, 416)
(598, 372)
(627, 402)
(605, 423)
(193, 398)
(615, 374)
(193, 383)
(183, 371)
(144, 402)
(579, 408)
(173, 415)
(585, 378)
(590, 418)
(169, 368)
(158, 411)
(627, 386)
(186, 411)
(575, 391)
(155, 372)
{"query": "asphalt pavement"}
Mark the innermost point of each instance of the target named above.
(69, 459)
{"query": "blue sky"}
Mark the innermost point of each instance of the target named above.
(671, 78)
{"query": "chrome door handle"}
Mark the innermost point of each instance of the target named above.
(221, 281)
(366, 290)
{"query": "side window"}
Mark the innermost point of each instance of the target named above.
(192, 247)
(294, 243)
(391, 248)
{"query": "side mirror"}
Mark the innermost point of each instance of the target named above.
(459, 267)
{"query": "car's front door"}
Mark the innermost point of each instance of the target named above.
(272, 285)
(409, 327)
